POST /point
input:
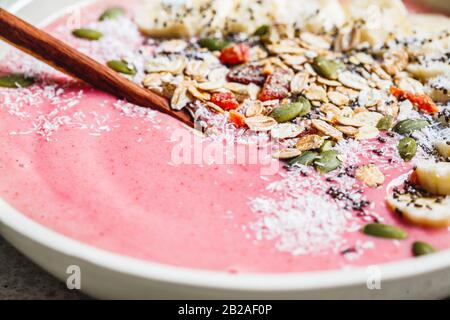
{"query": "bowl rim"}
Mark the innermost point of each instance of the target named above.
(254, 282)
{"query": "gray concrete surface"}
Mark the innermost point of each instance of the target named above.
(22, 279)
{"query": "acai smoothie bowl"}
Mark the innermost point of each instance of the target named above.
(319, 165)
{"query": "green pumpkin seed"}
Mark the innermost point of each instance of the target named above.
(327, 68)
(112, 13)
(88, 34)
(290, 111)
(327, 161)
(287, 112)
(409, 125)
(384, 231)
(16, 81)
(306, 106)
(306, 158)
(213, 44)
(122, 67)
(262, 31)
(421, 248)
(407, 148)
(327, 145)
(385, 123)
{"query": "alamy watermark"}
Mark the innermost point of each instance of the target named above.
(73, 281)
(373, 278)
(190, 149)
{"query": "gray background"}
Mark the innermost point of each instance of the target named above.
(6, 2)
(22, 279)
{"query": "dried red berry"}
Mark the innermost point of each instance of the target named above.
(421, 101)
(225, 100)
(247, 74)
(276, 86)
(237, 119)
(234, 55)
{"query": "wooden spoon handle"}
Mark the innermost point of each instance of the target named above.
(61, 56)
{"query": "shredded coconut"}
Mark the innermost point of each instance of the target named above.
(303, 225)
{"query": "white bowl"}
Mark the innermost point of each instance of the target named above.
(108, 275)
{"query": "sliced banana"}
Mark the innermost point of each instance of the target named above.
(182, 18)
(247, 16)
(381, 17)
(429, 70)
(434, 177)
(188, 18)
(428, 212)
(430, 24)
(443, 147)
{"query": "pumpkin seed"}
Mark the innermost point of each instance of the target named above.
(306, 106)
(420, 248)
(213, 44)
(262, 31)
(327, 161)
(384, 231)
(327, 145)
(407, 148)
(88, 34)
(327, 68)
(290, 111)
(409, 125)
(112, 13)
(385, 123)
(122, 67)
(306, 158)
(16, 81)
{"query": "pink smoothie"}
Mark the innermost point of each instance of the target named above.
(102, 172)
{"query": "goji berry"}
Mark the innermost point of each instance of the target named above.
(247, 74)
(237, 119)
(225, 100)
(234, 55)
(276, 86)
(421, 101)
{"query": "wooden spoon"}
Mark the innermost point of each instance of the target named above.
(61, 56)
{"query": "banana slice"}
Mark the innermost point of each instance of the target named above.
(430, 24)
(247, 16)
(428, 212)
(429, 70)
(381, 18)
(443, 147)
(157, 20)
(188, 18)
(182, 18)
(434, 177)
